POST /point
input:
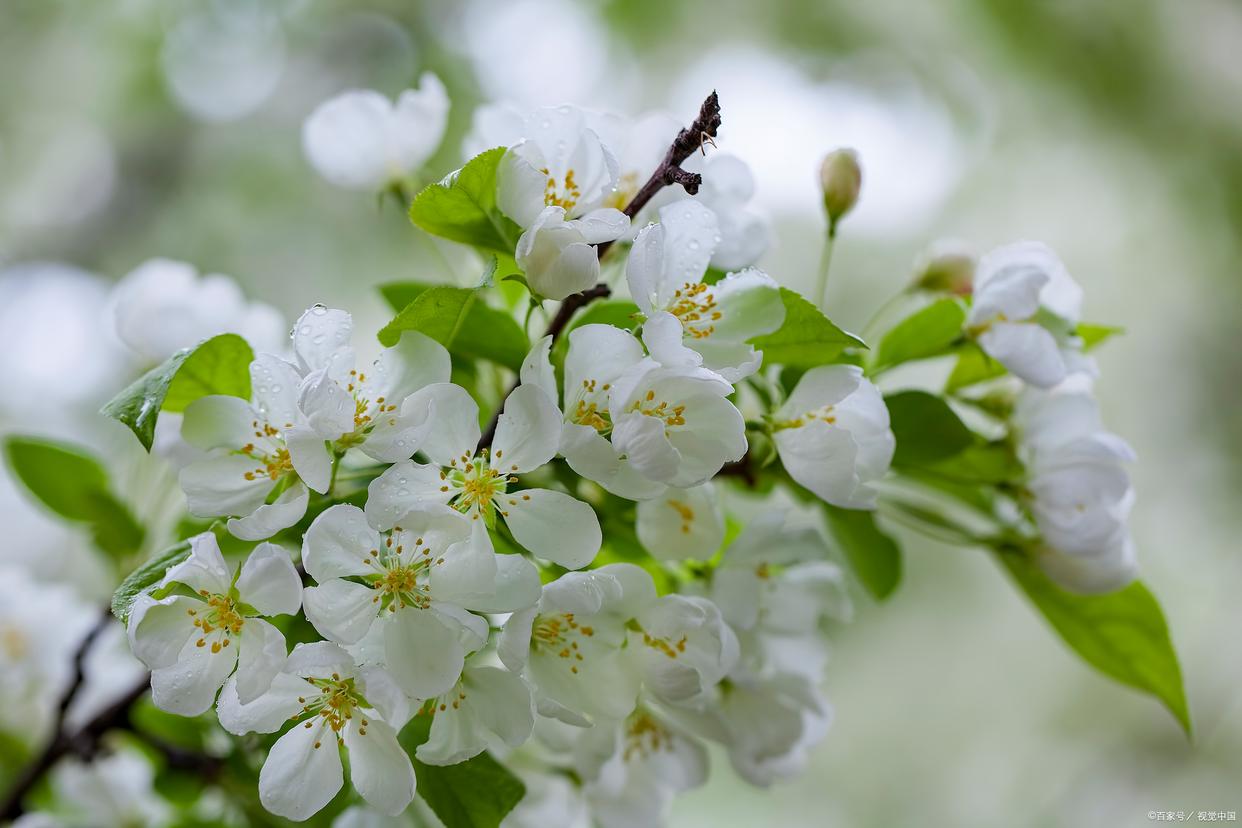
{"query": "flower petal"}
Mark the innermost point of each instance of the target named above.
(537, 369)
(682, 523)
(275, 385)
(328, 408)
(553, 526)
(310, 458)
(188, 687)
(261, 656)
(456, 423)
(466, 571)
(380, 769)
(302, 772)
(270, 518)
(591, 455)
(268, 581)
(342, 611)
(423, 654)
(528, 432)
(267, 713)
(218, 421)
(1028, 350)
(402, 487)
(159, 630)
(337, 542)
(218, 486)
(204, 570)
(321, 341)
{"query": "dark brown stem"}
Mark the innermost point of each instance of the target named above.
(669, 172)
(82, 741)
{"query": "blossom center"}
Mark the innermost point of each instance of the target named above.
(695, 305)
(335, 705)
(823, 415)
(645, 736)
(560, 634)
(221, 615)
(672, 415)
(476, 483)
(684, 512)
(627, 188)
(563, 192)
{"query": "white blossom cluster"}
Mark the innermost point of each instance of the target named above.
(472, 577)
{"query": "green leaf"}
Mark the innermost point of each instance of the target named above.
(927, 333)
(458, 319)
(145, 576)
(220, 365)
(75, 486)
(873, 555)
(1122, 634)
(477, 793)
(1095, 335)
(982, 463)
(619, 313)
(926, 428)
(462, 207)
(806, 338)
(973, 366)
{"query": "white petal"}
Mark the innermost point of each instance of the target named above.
(218, 421)
(275, 385)
(345, 140)
(402, 487)
(819, 387)
(189, 686)
(600, 353)
(342, 611)
(750, 305)
(159, 630)
(528, 432)
(513, 645)
(822, 457)
(682, 523)
(337, 542)
(310, 458)
(218, 486)
(261, 657)
(321, 338)
(517, 586)
(537, 369)
(456, 429)
(329, 409)
(415, 362)
(417, 125)
(381, 771)
(385, 695)
(644, 269)
(1007, 292)
(553, 526)
(266, 714)
(520, 188)
(643, 441)
(663, 334)
(691, 233)
(557, 265)
(591, 455)
(319, 659)
(395, 436)
(299, 779)
(269, 583)
(1028, 350)
(204, 569)
(270, 518)
(468, 571)
(603, 225)
(423, 654)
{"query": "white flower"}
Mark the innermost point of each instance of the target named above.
(419, 581)
(690, 322)
(360, 140)
(675, 425)
(263, 456)
(727, 189)
(1079, 491)
(487, 707)
(551, 799)
(553, 183)
(570, 644)
(116, 790)
(370, 409)
(682, 523)
(163, 305)
(193, 644)
(598, 355)
(1011, 285)
(477, 483)
(639, 145)
(683, 648)
(634, 769)
(333, 703)
(772, 724)
(833, 435)
(559, 257)
(775, 587)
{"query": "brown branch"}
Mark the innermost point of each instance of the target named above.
(669, 172)
(84, 740)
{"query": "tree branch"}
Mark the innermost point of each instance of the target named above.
(669, 172)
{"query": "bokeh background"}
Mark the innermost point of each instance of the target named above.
(1109, 128)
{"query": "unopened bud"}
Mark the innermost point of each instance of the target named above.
(841, 178)
(946, 267)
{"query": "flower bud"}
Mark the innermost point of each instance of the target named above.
(841, 178)
(946, 267)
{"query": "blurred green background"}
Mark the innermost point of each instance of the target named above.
(1109, 128)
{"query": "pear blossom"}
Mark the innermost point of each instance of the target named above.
(675, 425)
(681, 523)
(477, 482)
(164, 305)
(833, 435)
(415, 584)
(683, 648)
(771, 725)
(639, 145)
(554, 183)
(569, 645)
(634, 769)
(371, 409)
(360, 140)
(727, 189)
(334, 703)
(1078, 490)
(598, 355)
(487, 707)
(689, 322)
(1012, 284)
(193, 643)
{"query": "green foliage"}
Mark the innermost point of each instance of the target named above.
(220, 365)
(145, 576)
(1122, 634)
(926, 333)
(75, 486)
(620, 313)
(981, 464)
(874, 556)
(973, 366)
(458, 319)
(462, 207)
(477, 793)
(1095, 335)
(926, 428)
(806, 339)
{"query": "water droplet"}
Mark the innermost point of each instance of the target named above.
(319, 309)
(305, 330)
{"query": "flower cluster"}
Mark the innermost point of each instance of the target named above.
(633, 556)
